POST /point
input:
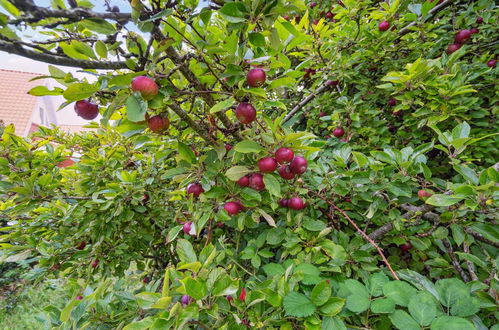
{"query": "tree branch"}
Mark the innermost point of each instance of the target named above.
(471, 267)
(52, 58)
(194, 125)
(479, 237)
(304, 102)
(454, 260)
(431, 13)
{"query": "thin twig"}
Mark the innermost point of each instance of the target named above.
(480, 237)
(454, 260)
(304, 102)
(471, 267)
(431, 13)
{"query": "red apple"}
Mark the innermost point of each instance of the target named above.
(232, 208)
(145, 86)
(185, 300)
(383, 26)
(244, 181)
(313, 4)
(491, 63)
(95, 263)
(462, 36)
(256, 181)
(283, 202)
(332, 82)
(242, 295)
(327, 137)
(256, 77)
(228, 147)
(405, 247)
(286, 173)
(474, 30)
(187, 227)
(298, 165)
(195, 189)
(479, 20)
(284, 155)
(158, 123)
(245, 113)
(338, 132)
(392, 102)
(322, 114)
(86, 109)
(78, 298)
(267, 165)
(422, 194)
(452, 48)
(81, 245)
(296, 203)
(286, 17)
(329, 15)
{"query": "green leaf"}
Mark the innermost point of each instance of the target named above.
(236, 172)
(185, 251)
(486, 230)
(452, 290)
(358, 303)
(43, 90)
(310, 273)
(286, 81)
(185, 153)
(225, 104)
(333, 323)
(384, 305)
(196, 288)
(248, 146)
(267, 218)
(143, 324)
(272, 184)
(257, 39)
(273, 269)
(403, 321)
(333, 306)
(80, 91)
(399, 291)
(298, 305)
(101, 49)
(10, 8)
(98, 25)
(423, 308)
(451, 323)
(321, 293)
(66, 312)
(136, 108)
(443, 200)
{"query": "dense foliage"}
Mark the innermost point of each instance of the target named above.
(398, 129)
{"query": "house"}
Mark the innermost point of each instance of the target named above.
(28, 112)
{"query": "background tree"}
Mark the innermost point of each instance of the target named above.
(290, 164)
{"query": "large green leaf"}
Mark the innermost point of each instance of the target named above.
(403, 321)
(451, 323)
(298, 305)
(80, 91)
(248, 146)
(321, 293)
(423, 308)
(136, 108)
(443, 200)
(399, 291)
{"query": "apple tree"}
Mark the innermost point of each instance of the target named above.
(260, 164)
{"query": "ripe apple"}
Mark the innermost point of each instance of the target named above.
(256, 181)
(86, 109)
(322, 114)
(286, 173)
(286, 17)
(185, 300)
(244, 181)
(145, 86)
(245, 113)
(228, 147)
(479, 20)
(392, 102)
(332, 82)
(81, 245)
(383, 26)
(284, 155)
(423, 194)
(296, 203)
(327, 137)
(256, 77)
(158, 123)
(338, 132)
(491, 63)
(195, 189)
(242, 295)
(313, 4)
(220, 224)
(474, 30)
(452, 48)
(146, 280)
(267, 165)
(145, 198)
(95, 263)
(283, 202)
(298, 165)
(405, 247)
(232, 208)
(329, 15)
(187, 227)
(315, 21)
(462, 36)
(78, 298)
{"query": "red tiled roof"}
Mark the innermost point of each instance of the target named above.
(16, 105)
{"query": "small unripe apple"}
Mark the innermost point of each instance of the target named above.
(474, 30)
(338, 132)
(283, 202)
(86, 109)
(392, 102)
(462, 36)
(383, 26)
(228, 147)
(256, 77)
(284, 155)
(332, 82)
(158, 123)
(145, 86)
(479, 20)
(422, 194)
(81, 245)
(242, 295)
(95, 263)
(452, 48)
(296, 203)
(245, 113)
(78, 298)
(267, 165)
(405, 247)
(244, 181)
(491, 63)
(298, 165)
(187, 227)
(185, 300)
(232, 208)
(195, 189)
(286, 173)
(256, 181)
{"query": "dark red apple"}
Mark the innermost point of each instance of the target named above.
(195, 189)
(232, 208)
(86, 109)
(462, 36)
(383, 26)
(185, 300)
(228, 147)
(145, 86)
(283, 202)
(479, 20)
(313, 4)
(95, 263)
(392, 102)
(329, 15)
(315, 21)
(296, 203)
(245, 113)
(422, 194)
(332, 82)
(244, 181)
(187, 227)
(491, 63)
(298, 165)
(286, 17)
(286, 173)
(256, 181)
(322, 114)
(452, 48)
(158, 123)
(145, 198)
(284, 155)
(256, 77)
(81, 245)
(267, 165)
(405, 247)
(338, 132)
(78, 298)
(474, 30)
(220, 224)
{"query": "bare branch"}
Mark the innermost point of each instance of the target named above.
(480, 237)
(471, 267)
(304, 102)
(455, 262)
(431, 13)
(194, 125)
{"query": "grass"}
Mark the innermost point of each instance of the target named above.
(21, 310)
